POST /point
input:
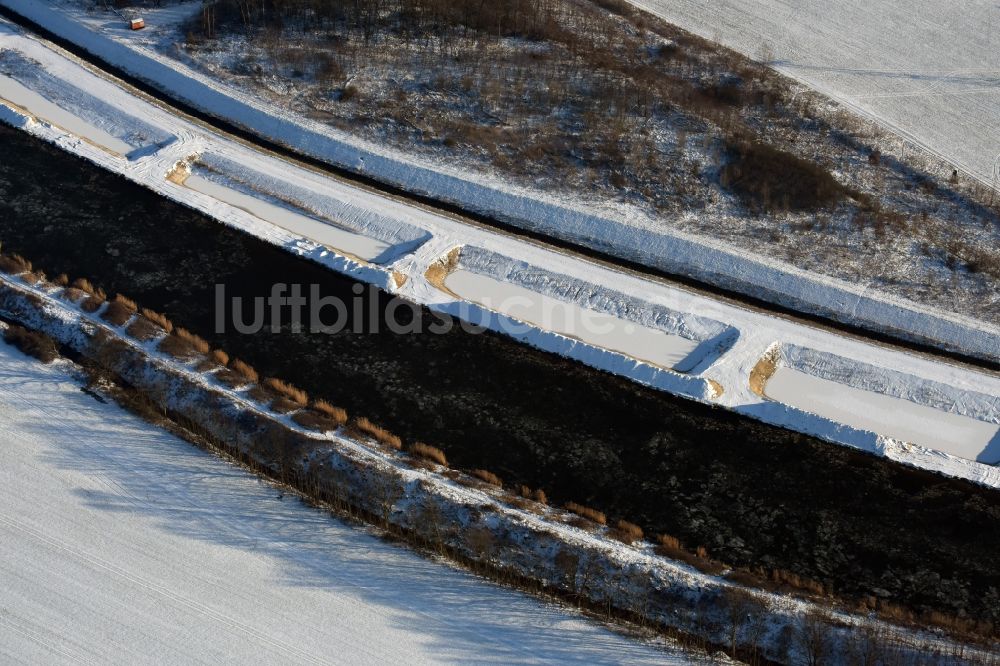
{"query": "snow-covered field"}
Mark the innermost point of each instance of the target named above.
(417, 239)
(120, 543)
(927, 70)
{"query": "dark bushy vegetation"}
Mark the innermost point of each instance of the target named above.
(32, 343)
(768, 179)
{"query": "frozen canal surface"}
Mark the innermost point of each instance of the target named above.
(900, 419)
(325, 234)
(46, 111)
(121, 544)
(596, 328)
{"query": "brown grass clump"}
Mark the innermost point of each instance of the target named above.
(73, 295)
(120, 310)
(84, 285)
(586, 512)
(14, 264)
(220, 357)
(287, 391)
(793, 580)
(158, 319)
(197, 342)
(487, 476)
(671, 547)
(668, 543)
(32, 343)
(338, 414)
(182, 344)
(534, 495)
(177, 347)
(244, 370)
(428, 452)
(283, 405)
(231, 378)
(378, 433)
(627, 532)
(93, 302)
(142, 329)
(313, 420)
(126, 302)
(61, 280)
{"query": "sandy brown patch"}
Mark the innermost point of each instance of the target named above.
(764, 370)
(439, 271)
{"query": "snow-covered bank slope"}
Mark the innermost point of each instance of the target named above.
(122, 544)
(625, 237)
(928, 70)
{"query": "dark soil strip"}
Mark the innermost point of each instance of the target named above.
(486, 220)
(752, 494)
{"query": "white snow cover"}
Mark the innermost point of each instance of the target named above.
(925, 69)
(423, 238)
(120, 543)
(625, 236)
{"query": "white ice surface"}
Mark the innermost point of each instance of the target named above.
(900, 419)
(929, 70)
(597, 328)
(44, 110)
(122, 544)
(325, 234)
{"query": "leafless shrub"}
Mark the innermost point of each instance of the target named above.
(220, 357)
(813, 637)
(428, 452)
(32, 343)
(586, 512)
(61, 280)
(487, 476)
